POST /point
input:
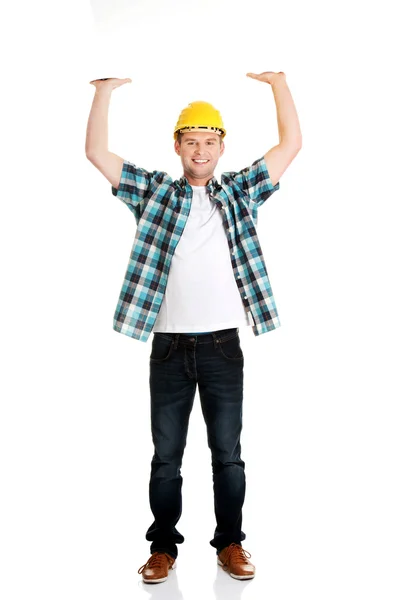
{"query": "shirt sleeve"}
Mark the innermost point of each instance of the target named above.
(134, 186)
(256, 182)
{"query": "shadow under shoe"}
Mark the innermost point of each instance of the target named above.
(157, 568)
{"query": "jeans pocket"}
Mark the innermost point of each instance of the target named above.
(161, 348)
(231, 348)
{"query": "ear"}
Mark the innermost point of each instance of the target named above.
(222, 150)
(177, 147)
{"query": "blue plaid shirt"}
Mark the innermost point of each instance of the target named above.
(161, 207)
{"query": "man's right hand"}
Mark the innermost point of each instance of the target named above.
(108, 163)
(111, 82)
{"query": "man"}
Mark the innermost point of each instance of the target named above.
(196, 273)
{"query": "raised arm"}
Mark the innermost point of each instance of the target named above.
(108, 163)
(280, 156)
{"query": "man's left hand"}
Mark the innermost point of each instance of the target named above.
(268, 76)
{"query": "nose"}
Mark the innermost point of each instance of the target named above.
(198, 150)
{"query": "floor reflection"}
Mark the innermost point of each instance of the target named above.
(167, 590)
(227, 588)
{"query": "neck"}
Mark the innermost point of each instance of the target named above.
(198, 181)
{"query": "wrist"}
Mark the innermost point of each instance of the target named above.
(103, 90)
(278, 78)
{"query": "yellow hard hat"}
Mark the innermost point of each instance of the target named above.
(199, 116)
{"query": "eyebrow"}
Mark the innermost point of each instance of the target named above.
(195, 140)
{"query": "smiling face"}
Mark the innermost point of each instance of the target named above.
(200, 152)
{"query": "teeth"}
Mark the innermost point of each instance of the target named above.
(200, 161)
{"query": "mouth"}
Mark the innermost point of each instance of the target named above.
(199, 161)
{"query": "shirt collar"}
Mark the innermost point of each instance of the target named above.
(212, 186)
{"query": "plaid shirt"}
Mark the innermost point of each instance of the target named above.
(161, 207)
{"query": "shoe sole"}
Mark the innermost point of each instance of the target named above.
(236, 576)
(161, 578)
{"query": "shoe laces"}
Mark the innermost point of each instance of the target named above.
(156, 560)
(235, 553)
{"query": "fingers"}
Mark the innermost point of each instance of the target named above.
(117, 81)
(102, 79)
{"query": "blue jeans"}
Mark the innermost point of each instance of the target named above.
(178, 362)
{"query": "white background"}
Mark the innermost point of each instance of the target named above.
(321, 406)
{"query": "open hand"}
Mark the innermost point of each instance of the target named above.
(267, 76)
(112, 82)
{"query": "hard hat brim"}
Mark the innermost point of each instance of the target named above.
(188, 129)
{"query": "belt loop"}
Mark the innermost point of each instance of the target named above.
(176, 341)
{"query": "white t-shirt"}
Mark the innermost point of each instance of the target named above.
(201, 293)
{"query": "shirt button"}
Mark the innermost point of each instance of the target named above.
(245, 297)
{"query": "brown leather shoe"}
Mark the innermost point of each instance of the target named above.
(157, 567)
(235, 560)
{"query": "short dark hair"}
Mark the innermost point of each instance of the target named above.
(179, 138)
